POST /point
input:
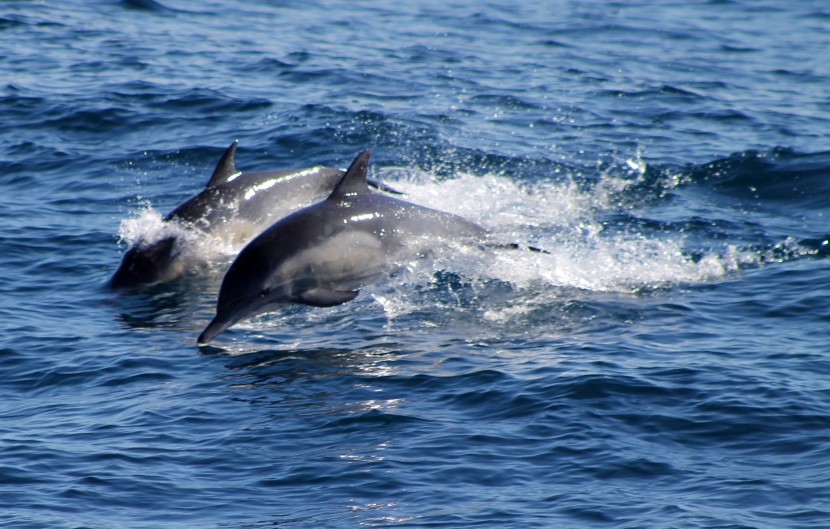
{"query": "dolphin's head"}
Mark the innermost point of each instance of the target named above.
(248, 289)
(147, 263)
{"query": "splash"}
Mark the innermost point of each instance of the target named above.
(147, 224)
(193, 247)
(569, 221)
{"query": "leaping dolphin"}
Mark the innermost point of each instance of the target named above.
(234, 206)
(323, 254)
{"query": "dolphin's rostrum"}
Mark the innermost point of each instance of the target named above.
(323, 254)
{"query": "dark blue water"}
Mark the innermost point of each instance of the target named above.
(666, 364)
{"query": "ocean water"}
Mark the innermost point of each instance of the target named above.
(665, 364)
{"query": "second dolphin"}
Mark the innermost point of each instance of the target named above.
(233, 207)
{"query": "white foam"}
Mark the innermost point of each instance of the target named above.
(146, 223)
(566, 220)
(193, 248)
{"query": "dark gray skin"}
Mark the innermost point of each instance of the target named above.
(323, 254)
(233, 206)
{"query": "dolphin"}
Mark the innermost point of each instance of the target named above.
(234, 206)
(323, 254)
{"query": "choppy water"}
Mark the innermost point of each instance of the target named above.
(664, 365)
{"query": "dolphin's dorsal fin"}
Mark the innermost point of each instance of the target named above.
(226, 168)
(354, 181)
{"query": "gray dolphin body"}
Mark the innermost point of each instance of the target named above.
(233, 206)
(322, 254)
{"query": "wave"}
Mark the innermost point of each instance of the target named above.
(779, 175)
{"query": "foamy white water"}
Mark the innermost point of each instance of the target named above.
(566, 221)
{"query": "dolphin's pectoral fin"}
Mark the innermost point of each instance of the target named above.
(320, 297)
(380, 186)
(515, 246)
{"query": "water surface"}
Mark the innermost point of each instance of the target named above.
(663, 365)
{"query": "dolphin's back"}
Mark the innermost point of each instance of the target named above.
(390, 218)
(257, 198)
(349, 244)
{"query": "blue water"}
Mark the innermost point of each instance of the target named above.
(666, 364)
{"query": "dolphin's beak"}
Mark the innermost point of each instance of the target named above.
(226, 317)
(214, 328)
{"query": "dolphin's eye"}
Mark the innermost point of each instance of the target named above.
(264, 293)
